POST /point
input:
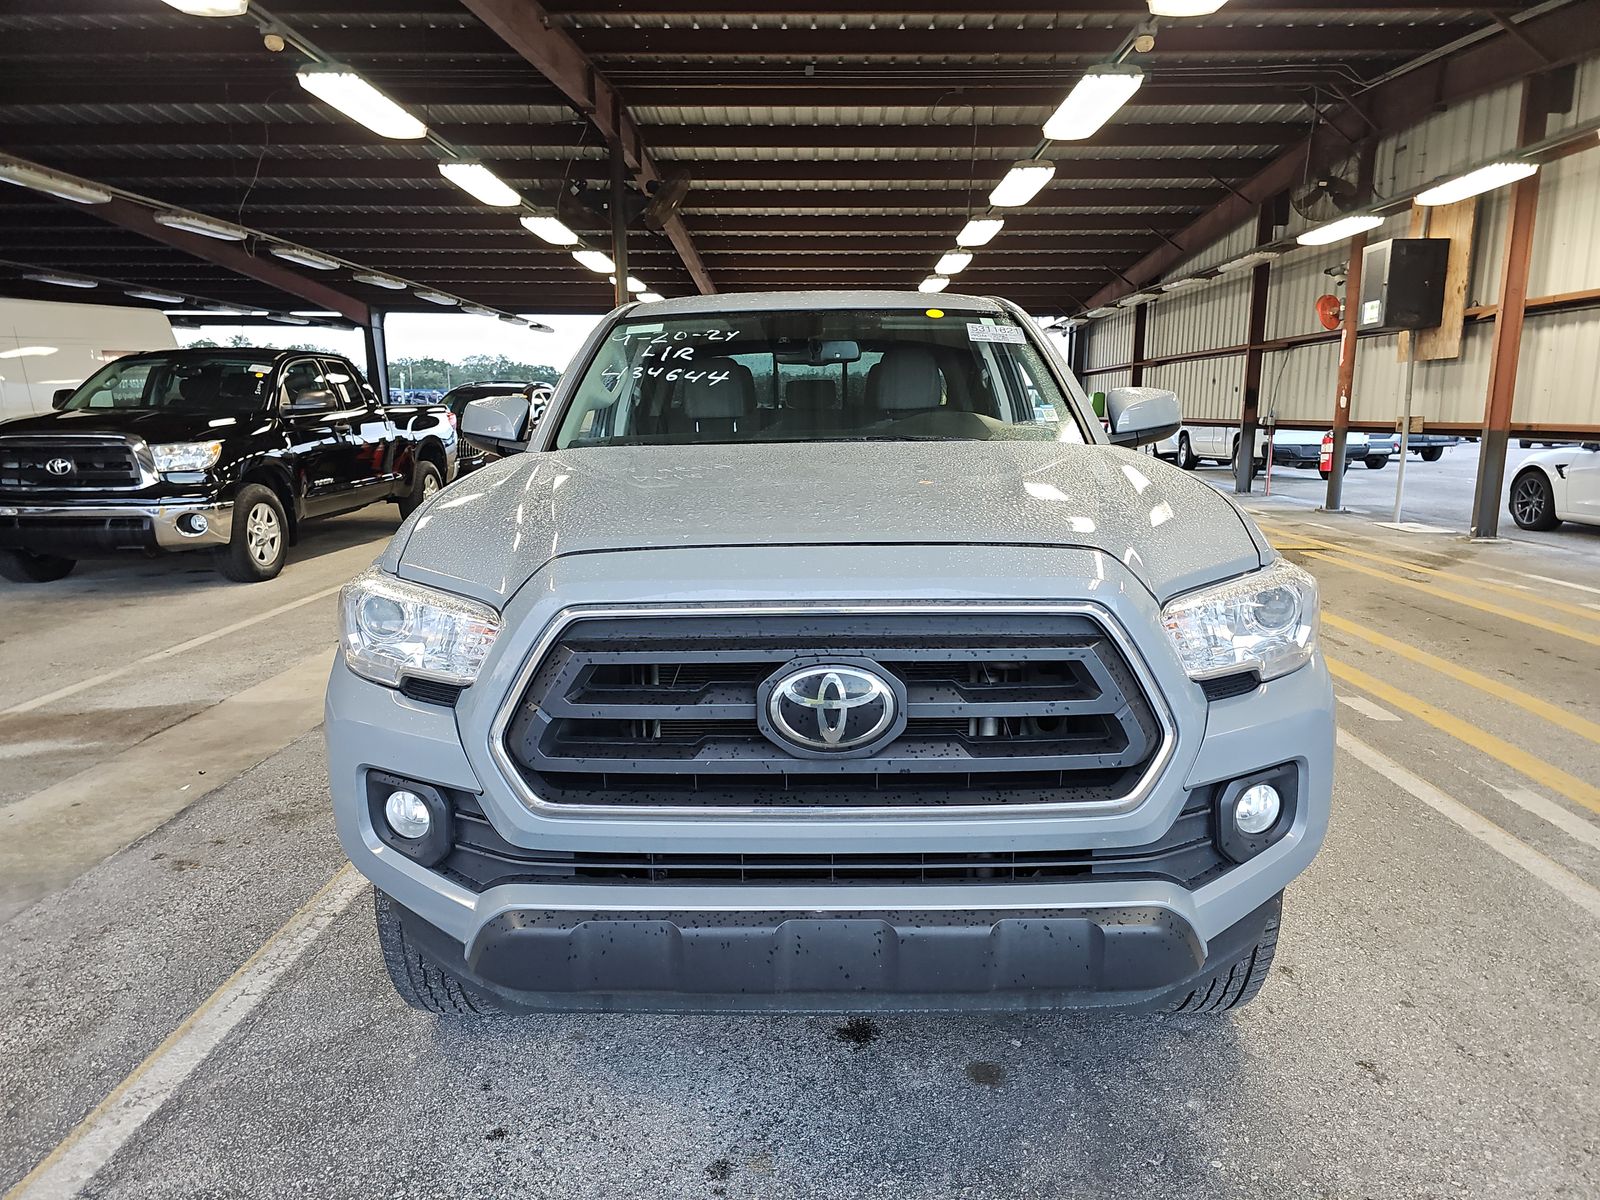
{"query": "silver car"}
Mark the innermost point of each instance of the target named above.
(823, 652)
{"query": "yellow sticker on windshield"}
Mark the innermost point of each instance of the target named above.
(935, 313)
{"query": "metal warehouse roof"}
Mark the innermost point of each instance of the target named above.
(836, 148)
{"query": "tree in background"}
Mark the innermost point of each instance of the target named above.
(436, 374)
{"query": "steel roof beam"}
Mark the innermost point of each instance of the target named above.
(522, 25)
(1569, 34)
(21, 135)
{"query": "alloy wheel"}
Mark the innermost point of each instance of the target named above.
(263, 533)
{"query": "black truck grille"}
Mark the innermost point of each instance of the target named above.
(1001, 708)
(1186, 854)
(62, 461)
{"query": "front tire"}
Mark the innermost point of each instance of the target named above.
(419, 981)
(1187, 459)
(24, 566)
(427, 482)
(1239, 984)
(259, 544)
(1533, 502)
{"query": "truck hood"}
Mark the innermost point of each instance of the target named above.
(488, 534)
(152, 424)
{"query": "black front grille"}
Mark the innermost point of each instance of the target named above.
(62, 461)
(1187, 854)
(1002, 709)
(69, 535)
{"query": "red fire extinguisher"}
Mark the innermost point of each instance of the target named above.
(1325, 459)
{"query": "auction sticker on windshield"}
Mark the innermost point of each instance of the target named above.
(1011, 334)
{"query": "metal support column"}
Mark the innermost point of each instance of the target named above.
(1508, 316)
(619, 221)
(1347, 373)
(1260, 278)
(1141, 319)
(377, 355)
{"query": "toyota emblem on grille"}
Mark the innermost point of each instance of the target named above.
(832, 707)
(59, 466)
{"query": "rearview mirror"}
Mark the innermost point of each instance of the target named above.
(62, 395)
(1141, 415)
(313, 400)
(498, 424)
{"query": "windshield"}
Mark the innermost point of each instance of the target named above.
(223, 384)
(834, 375)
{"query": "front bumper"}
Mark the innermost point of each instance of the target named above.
(82, 529)
(1136, 956)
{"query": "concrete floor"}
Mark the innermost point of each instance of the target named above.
(1429, 1030)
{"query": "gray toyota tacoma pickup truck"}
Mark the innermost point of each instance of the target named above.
(824, 652)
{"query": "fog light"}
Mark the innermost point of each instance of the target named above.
(193, 523)
(408, 815)
(1256, 810)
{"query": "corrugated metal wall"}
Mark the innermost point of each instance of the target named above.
(1561, 350)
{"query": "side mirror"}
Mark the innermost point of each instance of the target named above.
(62, 395)
(498, 424)
(314, 400)
(1141, 415)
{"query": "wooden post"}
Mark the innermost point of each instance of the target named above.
(1347, 373)
(1507, 348)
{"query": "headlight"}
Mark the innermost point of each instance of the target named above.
(390, 629)
(186, 456)
(1265, 621)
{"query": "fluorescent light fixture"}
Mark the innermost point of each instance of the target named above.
(953, 262)
(1173, 285)
(1475, 183)
(509, 319)
(438, 298)
(1247, 260)
(204, 226)
(158, 297)
(1103, 311)
(1136, 299)
(597, 262)
(1178, 8)
(306, 258)
(211, 8)
(373, 279)
(52, 184)
(1092, 102)
(933, 283)
(1337, 231)
(313, 312)
(479, 310)
(537, 327)
(979, 231)
(30, 352)
(480, 183)
(287, 319)
(359, 100)
(651, 297)
(62, 281)
(1022, 183)
(551, 230)
(634, 285)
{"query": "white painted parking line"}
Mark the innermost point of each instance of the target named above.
(93, 681)
(1563, 819)
(1373, 712)
(1566, 583)
(67, 1169)
(1543, 868)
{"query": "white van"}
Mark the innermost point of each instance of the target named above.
(46, 346)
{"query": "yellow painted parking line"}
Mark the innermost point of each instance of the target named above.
(1553, 713)
(1572, 788)
(1518, 593)
(1592, 639)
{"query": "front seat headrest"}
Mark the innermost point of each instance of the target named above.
(727, 400)
(907, 377)
(810, 395)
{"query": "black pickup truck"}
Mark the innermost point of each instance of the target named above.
(229, 450)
